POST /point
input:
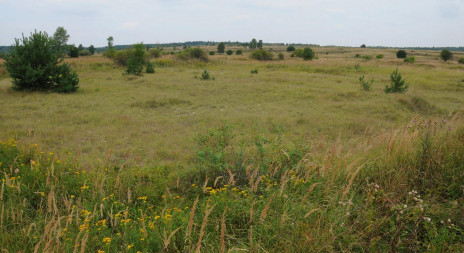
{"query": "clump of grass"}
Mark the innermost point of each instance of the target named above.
(379, 56)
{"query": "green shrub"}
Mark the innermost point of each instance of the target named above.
(92, 50)
(401, 54)
(281, 56)
(154, 53)
(397, 85)
(238, 52)
(84, 53)
(366, 85)
(149, 67)
(255, 71)
(308, 54)
(291, 48)
(380, 56)
(73, 51)
(410, 59)
(134, 66)
(230, 52)
(193, 54)
(221, 47)
(357, 56)
(461, 60)
(446, 55)
(205, 75)
(212, 53)
(262, 55)
(34, 65)
(367, 57)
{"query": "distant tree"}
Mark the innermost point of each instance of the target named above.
(221, 47)
(401, 54)
(363, 46)
(73, 51)
(308, 53)
(61, 37)
(260, 44)
(80, 47)
(253, 43)
(230, 52)
(291, 48)
(281, 56)
(238, 52)
(35, 64)
(110, 41)
(92, 49)
(446, 55)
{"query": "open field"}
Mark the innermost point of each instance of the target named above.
(141, 120)
(295, 158)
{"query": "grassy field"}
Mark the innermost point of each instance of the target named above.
(154, 118)
(295, 158)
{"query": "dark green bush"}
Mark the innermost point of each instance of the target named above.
(281, 56)
(446, 55)
(134, 66)
(291, 48)
(34, 65)
(149, 67)
(230, 52)
(212, 53)
(380, 56)
(262, 55)
(73, 51)
(367, 57)
(254, 71)
(397, 85)
(221, 47)
(401, 54)
(238, 52)
(308, 54)
(461, 60)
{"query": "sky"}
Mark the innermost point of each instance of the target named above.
(394, 23)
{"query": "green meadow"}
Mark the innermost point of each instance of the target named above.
(294, 158)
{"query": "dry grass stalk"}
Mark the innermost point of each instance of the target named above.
(283, 181)
(251, 211)
(192, 215)
(347, 189)
(264, 212)
(145, 234)
(216, 180)
(256, 184)
(203, 226)
(129, 195)
(205, 184)
(283, 219)
(1, 216)
(167, 241)
(84, 242)
(223, 231)
(2, 190)
(310, 212)
(231, 181)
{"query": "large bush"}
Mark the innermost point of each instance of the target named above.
(401, 54)
(291, 48)
(262, 55)
(34, 63)
(221, 47)
(446, 55)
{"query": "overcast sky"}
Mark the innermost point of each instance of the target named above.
(325, 22)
